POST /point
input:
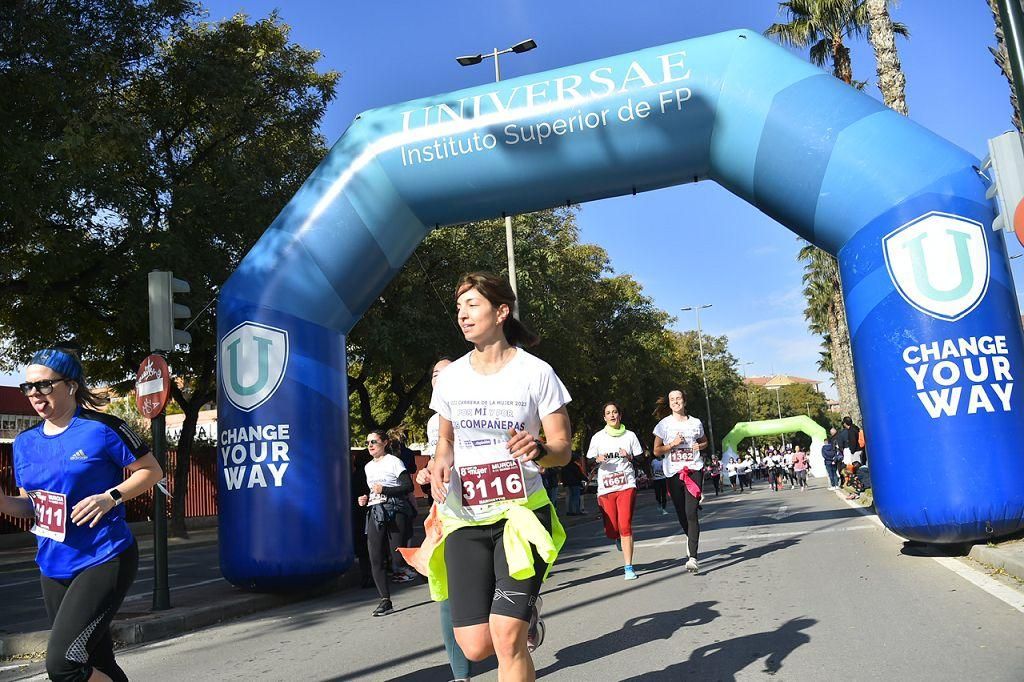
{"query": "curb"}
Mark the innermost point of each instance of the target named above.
(1011, 562)
(177, 621)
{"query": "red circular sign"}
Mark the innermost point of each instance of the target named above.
(152, 386)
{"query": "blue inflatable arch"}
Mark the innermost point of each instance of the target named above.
(930, 302)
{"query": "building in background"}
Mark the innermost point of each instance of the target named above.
(780, 380)
(16, 413)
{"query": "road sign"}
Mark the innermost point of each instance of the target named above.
(152, 386)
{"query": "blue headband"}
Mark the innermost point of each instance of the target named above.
(63, 363)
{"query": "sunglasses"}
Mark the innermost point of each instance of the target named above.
(373, 442)
(44, 387)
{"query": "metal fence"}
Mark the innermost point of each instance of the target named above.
(201, 499)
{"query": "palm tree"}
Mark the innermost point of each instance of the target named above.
(1002, 58)
(824, 26)
(882, 32)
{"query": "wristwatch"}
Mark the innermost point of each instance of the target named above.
(116, 494)
(543, 448)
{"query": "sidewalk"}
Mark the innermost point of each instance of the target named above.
(193, 607)
(1004, 556)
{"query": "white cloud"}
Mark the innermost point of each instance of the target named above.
(764, 326)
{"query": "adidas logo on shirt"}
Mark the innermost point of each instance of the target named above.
(79, 456)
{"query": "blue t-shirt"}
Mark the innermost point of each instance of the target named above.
(87, 458)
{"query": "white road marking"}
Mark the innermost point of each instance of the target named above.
(756, 536)
(782, 513)
(1008, 595)
(176, 587)
(13, 667)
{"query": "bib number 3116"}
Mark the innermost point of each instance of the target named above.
(495, 482)
(51, 511)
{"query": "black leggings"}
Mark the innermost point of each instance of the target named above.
(383, 543)
(686, 508)
(659, 492)
(80, 611)
(717, 482)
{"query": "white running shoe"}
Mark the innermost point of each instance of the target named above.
(691, 565)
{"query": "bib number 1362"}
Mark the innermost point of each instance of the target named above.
(494, 482)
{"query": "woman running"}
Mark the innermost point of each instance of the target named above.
(614, 448)
(800, 466)
(388, 517)
(678, 440)
(69, 470)
(716, 474)
(501, 533)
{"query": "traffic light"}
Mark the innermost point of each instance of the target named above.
(163, 311)
(1005, 164)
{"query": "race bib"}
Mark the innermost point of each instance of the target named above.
(495, 482)
(616, 480)
(375, 498)
(51, 511)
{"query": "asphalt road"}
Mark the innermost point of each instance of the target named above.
(793, 586)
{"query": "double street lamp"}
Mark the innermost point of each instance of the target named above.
(778, 404)
(470, 60)
(703, 372)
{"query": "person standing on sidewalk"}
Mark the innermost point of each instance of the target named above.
(573, 480)
(388, 517)
(679, 439)
(659, 483)
(69, 472)
(613, 448)
(828, 453)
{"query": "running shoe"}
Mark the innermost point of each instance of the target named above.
(691, 565)
(384, 608)
(402, 577)
(630, 573)
(664, 512)
(535, 633)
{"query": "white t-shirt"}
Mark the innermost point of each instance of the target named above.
(658, 469)
(433, 434)
(731, 467)
(615, 473)
(385, 471)
(482, 408)
(683, 456)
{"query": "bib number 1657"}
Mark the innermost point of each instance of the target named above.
(494, 482)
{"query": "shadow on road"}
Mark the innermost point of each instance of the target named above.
(739, 557)
(634, 632)
(439, 673)
(723, 660)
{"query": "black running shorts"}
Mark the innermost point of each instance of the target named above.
(478, 580)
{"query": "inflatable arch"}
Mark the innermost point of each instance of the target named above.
(772, 427)
(931, 305)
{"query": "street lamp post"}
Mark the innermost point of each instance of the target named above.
(778, 404)
(470, 60)
(703, 372)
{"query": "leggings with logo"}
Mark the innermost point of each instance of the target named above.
(80, 611)
(686, 508)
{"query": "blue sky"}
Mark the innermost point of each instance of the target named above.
(745, 265)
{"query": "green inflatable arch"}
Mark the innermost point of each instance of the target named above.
(773, 427)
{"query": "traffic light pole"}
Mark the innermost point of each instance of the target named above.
(161, 589)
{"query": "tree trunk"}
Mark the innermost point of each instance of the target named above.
(842, 67)
(891, 80)
(1002, 59)
(842, 349)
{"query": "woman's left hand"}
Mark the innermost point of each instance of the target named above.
(523, 447)
(377, 488)
(91, 509)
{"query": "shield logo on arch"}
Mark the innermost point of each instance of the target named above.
(939, 264)
(253, 359)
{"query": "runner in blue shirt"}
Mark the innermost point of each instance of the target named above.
(70, 474)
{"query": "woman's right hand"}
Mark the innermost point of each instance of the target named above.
(363, 499)
(439, 478)
(423, 476)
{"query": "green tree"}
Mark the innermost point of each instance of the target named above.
(175, 154)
